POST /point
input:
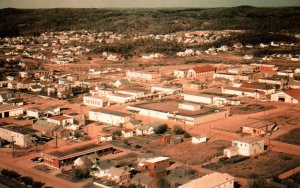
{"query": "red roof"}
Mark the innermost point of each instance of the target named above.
(295, 93)
(60, 118)
(206, 68)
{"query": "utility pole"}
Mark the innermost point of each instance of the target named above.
(13, 146)
(55, 140)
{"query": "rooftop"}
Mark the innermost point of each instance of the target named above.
(116, 113)
(248, 139)
(209, 180)
(19, 129)
(5, 107)
(157, 159)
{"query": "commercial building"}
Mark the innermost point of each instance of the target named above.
(109, 116)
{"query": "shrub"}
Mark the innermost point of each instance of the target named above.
(27, 180)
(187, 135)
(178, 130)
(37, 184)
(117, 133)
(160, 129)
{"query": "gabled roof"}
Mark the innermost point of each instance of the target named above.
(45, 125)
(295, 93)
(205, 68)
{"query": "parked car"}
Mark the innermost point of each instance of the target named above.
(37, 159)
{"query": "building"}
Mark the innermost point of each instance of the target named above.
(146, 76)
(147, 129)
(242, 92)
(204, 72)
(226, 76)
(95, 101)
(20, 135)
(264, 67)
(144, 180)
(245, 146)
(214, 180)
(288, 96)
(61, 120)
(120, 98)
(259, 128)
(118, 175)
(109, 116)
(65, 157)
(180, 73)
(171, 110)
(157, 167)
(10, 111)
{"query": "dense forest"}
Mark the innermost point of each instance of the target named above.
(15, 22)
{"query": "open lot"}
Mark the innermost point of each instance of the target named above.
(266, 165)
(291, 137)
(193, 154)
(250, 108)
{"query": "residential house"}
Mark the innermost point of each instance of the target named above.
(127, 133)
(118, 175)
(65, 94)
(61, 120)
(245, 146)
(53, 110)
(147, 129)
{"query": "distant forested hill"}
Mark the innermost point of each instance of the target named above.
(157, 21)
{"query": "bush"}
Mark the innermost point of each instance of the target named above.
(117, 133)
(10, 174)
(187, 135)
(178, 130)
(27, 180)
(163, 183)
(37, 184)
(160, 129)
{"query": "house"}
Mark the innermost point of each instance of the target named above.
(118, 175)
(78, 119)
(260, 128)
(120, 98)
(168, 89)
(157, 166)
(10, 111)
(100, 169)
(53, 110)
(144, 180)
(127, 133)
(214, 180)
(264, 67)
(245, 146)
(180, 73)
(34, 112)
(109, 116)
(203, 72)
(105, 138)
(95, 101)
(147, 129)
(288, 96)
(20, 135)
(50, 129)
(64, 94)
(199, 139)
(61, 120)
(266, 88)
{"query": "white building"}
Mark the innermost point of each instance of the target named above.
(109, 116)
(10, 111)
(214, 180)
(288, 96)
(61, 120)
(149, 76)
(94, 101)
(245, 146)
(231, 77)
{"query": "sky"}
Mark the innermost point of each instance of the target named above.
(142, 3)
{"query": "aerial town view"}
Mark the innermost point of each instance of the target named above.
(149, 94)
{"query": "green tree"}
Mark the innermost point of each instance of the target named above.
(160, 129)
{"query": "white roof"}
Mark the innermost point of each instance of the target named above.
(157, 159)
(209, 181)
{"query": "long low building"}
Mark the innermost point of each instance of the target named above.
(64, 157)
(187, 113)
(109, 116)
